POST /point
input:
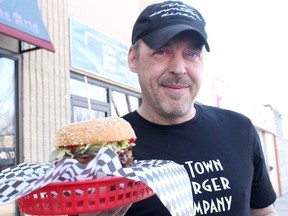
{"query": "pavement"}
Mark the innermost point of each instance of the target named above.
(281, 205)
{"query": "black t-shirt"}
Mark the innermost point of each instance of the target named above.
(222, 154)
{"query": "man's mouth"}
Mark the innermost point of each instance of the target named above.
(175, 88)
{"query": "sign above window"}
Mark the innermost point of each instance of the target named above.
(96, 53)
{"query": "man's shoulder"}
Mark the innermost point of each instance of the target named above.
(130, 116)
(222, 113)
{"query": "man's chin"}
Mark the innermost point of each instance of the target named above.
(176, 110)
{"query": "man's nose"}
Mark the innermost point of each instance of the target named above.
(177, 65)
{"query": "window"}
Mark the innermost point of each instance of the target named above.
(84, 109)
(91, 98)
(9, 121)
(123, 103)
(7, 113)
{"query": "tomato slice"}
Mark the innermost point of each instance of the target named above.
(71, 147)
(132, 140)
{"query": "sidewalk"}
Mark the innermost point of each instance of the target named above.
(281, 205)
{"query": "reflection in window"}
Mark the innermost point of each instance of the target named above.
(119, 103)
(7, 113)
(97, 93)
(123, 103)
(78, 88)
(82, 114)
(133, 103)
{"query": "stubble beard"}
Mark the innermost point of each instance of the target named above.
(173, 108)
(174, 105)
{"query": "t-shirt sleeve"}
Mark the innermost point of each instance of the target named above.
(262, 192)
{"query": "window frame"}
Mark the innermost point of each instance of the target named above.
(97, 104)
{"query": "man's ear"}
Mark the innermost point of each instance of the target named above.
(132, 58)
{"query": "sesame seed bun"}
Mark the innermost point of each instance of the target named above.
(101, 130)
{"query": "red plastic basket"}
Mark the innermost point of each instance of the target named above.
(83, 196)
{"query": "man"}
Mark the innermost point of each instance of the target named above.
(219, 148)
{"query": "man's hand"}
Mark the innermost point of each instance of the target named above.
(268, 211)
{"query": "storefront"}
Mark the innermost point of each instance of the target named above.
(21, 31)
(45, 85)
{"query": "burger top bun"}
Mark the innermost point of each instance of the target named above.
(108, 129)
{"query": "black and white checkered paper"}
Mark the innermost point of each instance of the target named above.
(168, 180)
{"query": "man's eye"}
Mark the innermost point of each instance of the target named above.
(193, 54)
(161, 52)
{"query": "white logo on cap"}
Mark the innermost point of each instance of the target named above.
(176, 9)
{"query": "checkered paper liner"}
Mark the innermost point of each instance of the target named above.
(168, 180)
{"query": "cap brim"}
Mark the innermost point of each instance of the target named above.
(160, 37)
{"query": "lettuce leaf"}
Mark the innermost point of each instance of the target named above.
(78, 151)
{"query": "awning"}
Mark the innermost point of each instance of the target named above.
(21, 19)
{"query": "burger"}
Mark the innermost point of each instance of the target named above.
(82, 140)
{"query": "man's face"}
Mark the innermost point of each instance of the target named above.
(170, 77)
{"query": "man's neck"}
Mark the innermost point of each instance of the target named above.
(156, 118)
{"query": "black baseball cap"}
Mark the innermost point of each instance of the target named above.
(160, 22)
